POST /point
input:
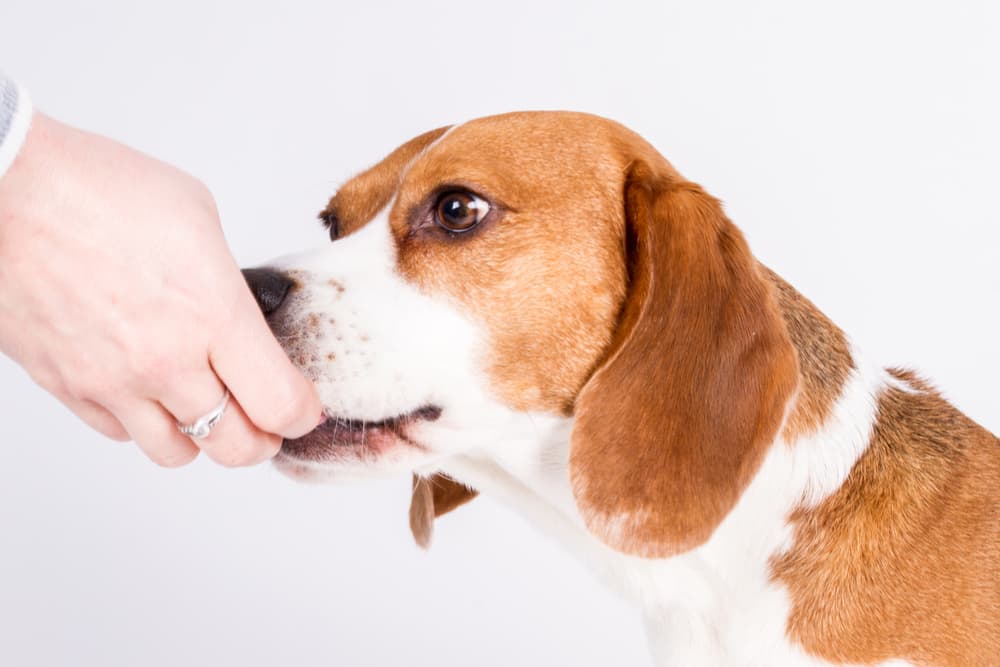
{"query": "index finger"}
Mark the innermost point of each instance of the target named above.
(248, 359)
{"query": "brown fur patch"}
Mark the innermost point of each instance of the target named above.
(362, 197)
(824, 358)
(547, 277)
(903, 561)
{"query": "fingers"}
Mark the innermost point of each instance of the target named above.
(96, 417)
(276, 396)
(235, 440)
(257, 372)
(144, 320)
(155, 432)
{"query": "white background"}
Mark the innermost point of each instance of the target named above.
(855, 143)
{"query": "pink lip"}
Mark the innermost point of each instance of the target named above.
(337, 437)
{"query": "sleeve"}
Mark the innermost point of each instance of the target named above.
(15, 118)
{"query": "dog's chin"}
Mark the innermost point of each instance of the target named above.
(342, 449)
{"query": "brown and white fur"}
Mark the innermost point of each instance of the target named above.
(603, 353)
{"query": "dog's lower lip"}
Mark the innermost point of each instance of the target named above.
(426, 413)
(336, 433)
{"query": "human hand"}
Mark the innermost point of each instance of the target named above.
(119, 296)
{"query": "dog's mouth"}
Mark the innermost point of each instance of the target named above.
(339, 437)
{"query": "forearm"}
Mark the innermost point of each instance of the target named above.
(15, 117)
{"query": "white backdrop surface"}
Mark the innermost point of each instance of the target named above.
(855, 143)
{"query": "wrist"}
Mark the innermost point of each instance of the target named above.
(15, 120)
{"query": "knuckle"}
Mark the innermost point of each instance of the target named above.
(102, 422)
(267, 449)
(173, 457)
(81, 386)
(203, 195)
(52, 378)
(246, 453)
(231, 458)
(290, 410)
(52, 382)
(151, 367)
(116, 433)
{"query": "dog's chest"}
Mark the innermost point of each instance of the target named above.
(714, 605)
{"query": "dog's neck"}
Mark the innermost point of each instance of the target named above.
(531, 476)
(825, 359)
(809, 459)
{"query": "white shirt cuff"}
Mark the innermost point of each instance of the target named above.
(13, 96)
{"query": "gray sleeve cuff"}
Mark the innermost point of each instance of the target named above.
(15, 118)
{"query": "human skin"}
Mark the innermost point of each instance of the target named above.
(119, 296)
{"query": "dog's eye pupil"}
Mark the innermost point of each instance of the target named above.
(460, 211)
(457, 212)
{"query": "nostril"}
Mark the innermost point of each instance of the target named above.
(268, 286)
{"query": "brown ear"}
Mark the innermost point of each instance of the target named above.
(674, 424)
(432, 497)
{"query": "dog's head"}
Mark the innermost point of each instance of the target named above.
(528, 275)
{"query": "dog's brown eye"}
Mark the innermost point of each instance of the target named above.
(460, 211)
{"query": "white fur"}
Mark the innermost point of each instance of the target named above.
(397, 349)
(715, 605)
(393, 350)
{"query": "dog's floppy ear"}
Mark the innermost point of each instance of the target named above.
(673, 425)
(432, 497)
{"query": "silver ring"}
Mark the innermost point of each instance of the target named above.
(203, 426)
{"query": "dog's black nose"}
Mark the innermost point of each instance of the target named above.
(268, 286)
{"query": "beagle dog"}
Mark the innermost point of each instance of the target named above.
(538, 306)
